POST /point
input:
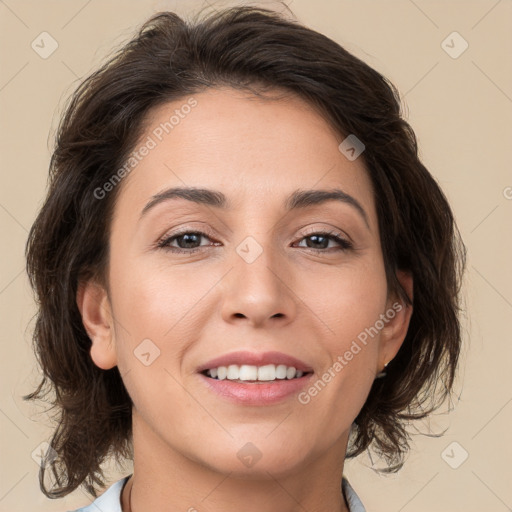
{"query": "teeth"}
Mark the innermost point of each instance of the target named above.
(267, 372)
(281, 371)
(246, 372)
(233, 372)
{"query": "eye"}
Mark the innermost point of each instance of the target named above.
(186, 240)
(189, 242)
(319, 241)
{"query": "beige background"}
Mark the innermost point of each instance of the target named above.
(461, 109)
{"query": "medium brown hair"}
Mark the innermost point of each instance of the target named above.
(251, 49)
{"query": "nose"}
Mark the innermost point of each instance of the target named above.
(259, 293)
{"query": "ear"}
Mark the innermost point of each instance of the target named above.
(395, 329)
(94, 306)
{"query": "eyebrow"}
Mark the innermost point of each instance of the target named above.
(296, 200)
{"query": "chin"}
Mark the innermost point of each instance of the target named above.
(256, 457)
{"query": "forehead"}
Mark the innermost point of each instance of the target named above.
(255, 150)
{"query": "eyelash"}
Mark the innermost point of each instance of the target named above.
(333, 235)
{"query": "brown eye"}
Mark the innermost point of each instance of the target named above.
(320, 242)
(186, 241)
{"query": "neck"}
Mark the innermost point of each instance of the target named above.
(175, 482)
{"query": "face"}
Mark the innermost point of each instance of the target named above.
(254, 281)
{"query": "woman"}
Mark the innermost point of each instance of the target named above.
(244, 272)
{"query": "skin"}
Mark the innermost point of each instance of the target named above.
(195, 307)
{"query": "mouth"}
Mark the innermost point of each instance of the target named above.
(248, 378)
(251, 374)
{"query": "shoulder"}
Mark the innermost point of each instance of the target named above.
(109, 501)
(353, 501)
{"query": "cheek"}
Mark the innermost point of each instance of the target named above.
(348, 300)
(350, 307)
(154, 300)
(157, 314)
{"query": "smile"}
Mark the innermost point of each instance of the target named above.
(252, 373)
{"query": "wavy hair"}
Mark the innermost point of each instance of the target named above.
(255, 49)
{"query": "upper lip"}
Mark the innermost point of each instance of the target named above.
(255, 359)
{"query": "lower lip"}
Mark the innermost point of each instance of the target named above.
(257, 393)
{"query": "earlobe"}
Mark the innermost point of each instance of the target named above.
(94, 306)
(394, 332)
